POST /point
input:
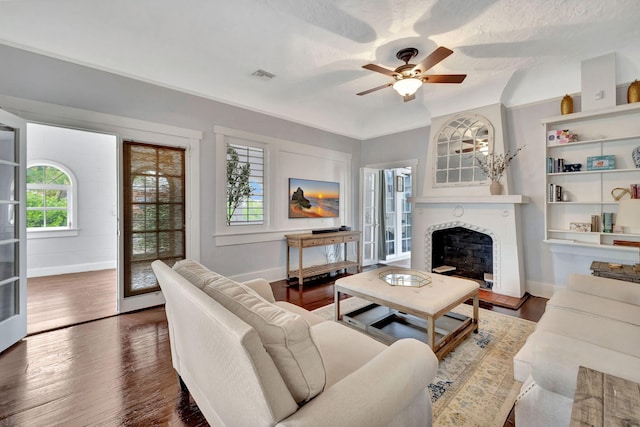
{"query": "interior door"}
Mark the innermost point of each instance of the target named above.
(370, 203)
(13, 270)
(153, 218)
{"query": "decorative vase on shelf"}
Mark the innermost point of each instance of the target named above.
(495, 188)
(633, 93)
(636, 156)
(566, 105)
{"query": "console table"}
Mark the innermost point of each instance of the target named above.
(604, 400)
(310, 240)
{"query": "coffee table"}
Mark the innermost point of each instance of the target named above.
(418, 311)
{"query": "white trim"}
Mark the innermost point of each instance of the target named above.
(540, 289)
(50, 233)
(135, 130)
(412, 163)
(36, 111)
(72, 199)
(74, 268)
(275, 215)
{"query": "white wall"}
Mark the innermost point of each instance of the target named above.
(91, 157)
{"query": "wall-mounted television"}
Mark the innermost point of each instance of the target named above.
(313, 199)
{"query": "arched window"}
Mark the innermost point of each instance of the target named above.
(50, 197)
(457, 147)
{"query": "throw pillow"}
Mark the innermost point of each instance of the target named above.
(286, 337)
(195, 272)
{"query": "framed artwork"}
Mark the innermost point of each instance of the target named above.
(313, 199)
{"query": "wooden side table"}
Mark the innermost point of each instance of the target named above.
(309, 240)
(604, 400)
(625, 272)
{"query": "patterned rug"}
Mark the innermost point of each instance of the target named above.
(474, 385)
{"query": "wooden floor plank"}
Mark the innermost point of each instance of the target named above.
(68, 299)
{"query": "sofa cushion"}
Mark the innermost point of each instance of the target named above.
(285, 335)
(595, 306)
(195, 272)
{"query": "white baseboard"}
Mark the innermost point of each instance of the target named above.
(66, 269)
(539, 289)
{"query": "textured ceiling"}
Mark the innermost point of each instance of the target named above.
(513, 51)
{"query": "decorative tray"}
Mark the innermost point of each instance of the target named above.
(405, 277)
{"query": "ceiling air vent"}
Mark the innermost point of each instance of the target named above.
(263, 75)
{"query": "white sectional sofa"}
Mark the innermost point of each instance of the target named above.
(248, 360)
(593, 322)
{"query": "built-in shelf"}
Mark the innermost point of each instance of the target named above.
(592, 141)
(611, 131)
(590, 172)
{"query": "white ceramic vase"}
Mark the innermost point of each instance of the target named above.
(636, 157)
(495, 188)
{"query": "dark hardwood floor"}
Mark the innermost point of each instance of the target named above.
(117, 370)
(68, 299)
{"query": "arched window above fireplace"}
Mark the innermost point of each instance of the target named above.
(457, 147)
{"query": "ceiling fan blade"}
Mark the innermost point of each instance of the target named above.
(374, 89)
(408, 98)
(379, 69)
(436, 56)
(443, 78)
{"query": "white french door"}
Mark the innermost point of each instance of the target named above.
(397, 211)
(13, 270)
(370, 209)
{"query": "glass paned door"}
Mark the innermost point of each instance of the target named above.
(13, 285)
(153, 212)
(370, 215)
(397, 211)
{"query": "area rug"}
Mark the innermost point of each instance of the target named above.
(474, 385)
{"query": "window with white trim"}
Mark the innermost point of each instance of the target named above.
(245, 184)
(50, 194)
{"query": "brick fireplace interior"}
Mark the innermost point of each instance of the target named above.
(469, 251)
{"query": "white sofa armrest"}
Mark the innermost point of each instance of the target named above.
(555, 363)
(618, 290)
(374, 394)
(262, 287)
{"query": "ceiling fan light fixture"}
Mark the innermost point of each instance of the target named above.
(407, 86)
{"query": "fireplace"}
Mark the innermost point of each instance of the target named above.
(496, 217)
(469, 251)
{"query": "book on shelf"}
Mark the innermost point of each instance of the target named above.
(626, 243)
(555, 165)
(555, 193)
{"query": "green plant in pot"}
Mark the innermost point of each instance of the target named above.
(238, 186)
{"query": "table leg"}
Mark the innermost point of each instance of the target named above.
(336, 300)
(300, 279)
(431, 332)
(476, 305)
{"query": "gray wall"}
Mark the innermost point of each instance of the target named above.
(36, 77)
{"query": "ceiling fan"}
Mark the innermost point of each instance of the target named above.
(409, 77)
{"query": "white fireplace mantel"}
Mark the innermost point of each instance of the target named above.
(496, 216)
(512, 199)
